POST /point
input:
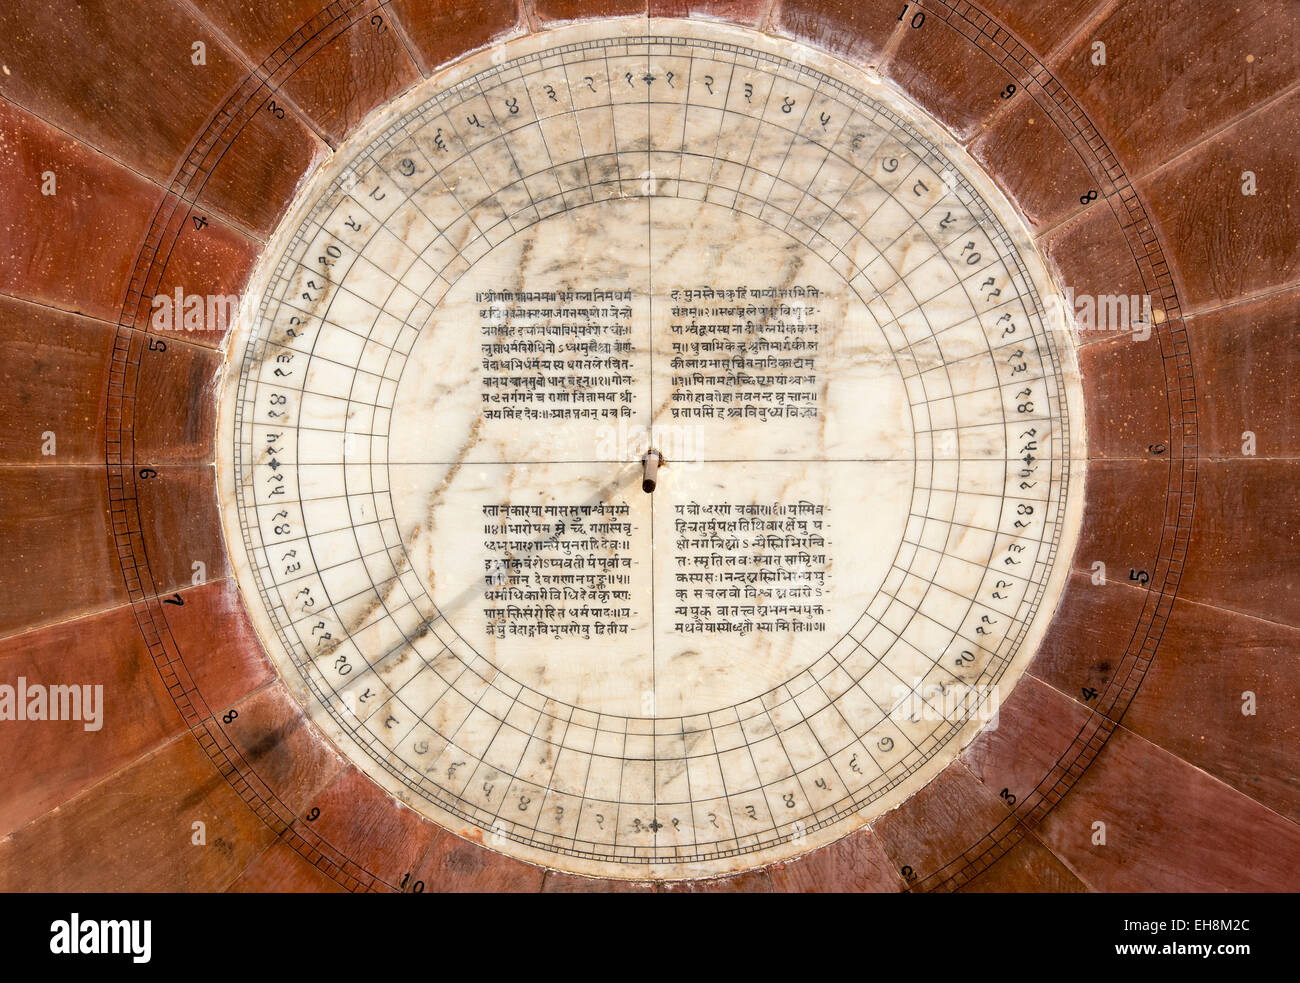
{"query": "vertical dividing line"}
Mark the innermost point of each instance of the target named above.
(649, 187)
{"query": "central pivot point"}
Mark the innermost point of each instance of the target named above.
(650, 465)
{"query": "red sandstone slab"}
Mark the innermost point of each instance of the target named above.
(455, 865)
(1127, 506)
(1027, 867)
(748, 12)
(853, 863)
(49, 761)
(360, 70)
(181, 527)
(950, 76)
(1126, 397)
(197, 286)
(1225, 244)
(80, 64)
(1192, 699)
(940, 822)
(1041, 26)
(1033, 161)
(1086, 642)
(287, 753)
(1092, 257)
(1169, 827)
(1246, 543)
(222, 655)
(372, 829)
(258, 30)
(281, 869)
(58, 560)
(73, 249)
(1178, 71)
(442, 32)
(1247, 369)
(52, 381)
(571, 10)
(1033, 741)
(268, 158)
(135, 832)
(175, 403)
(852, 30)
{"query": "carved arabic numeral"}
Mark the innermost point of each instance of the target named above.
(353, 224)
(920, 188)
(749, 91)
(1009, 91)
(825, 120)
(550, 93)
(378, 23)
(406, 166)
(600, 820)
(891, 164)
(708, 84)
(908, 873)
(751, 812)
(591, 82)
(1010, 799)
(1090, 196)
(312, 816)
(1089, 694)
(157, 345)
(230, 717)
(199, 222)
(439, 141)
(788, 798)
(147, 473)
(416, 888)
(473, 121)
(713, 820)
(856, 142)
(275, 110)
(787, 105)
(630, 83)
(917, 19)
(175, 599)
(523, 803)
(668, 77)
(1141, 576)
(512, 104)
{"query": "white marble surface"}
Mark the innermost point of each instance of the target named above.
(941, 448)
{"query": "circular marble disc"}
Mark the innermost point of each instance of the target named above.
(523, 276)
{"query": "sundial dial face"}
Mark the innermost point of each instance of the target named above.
(747, 257)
